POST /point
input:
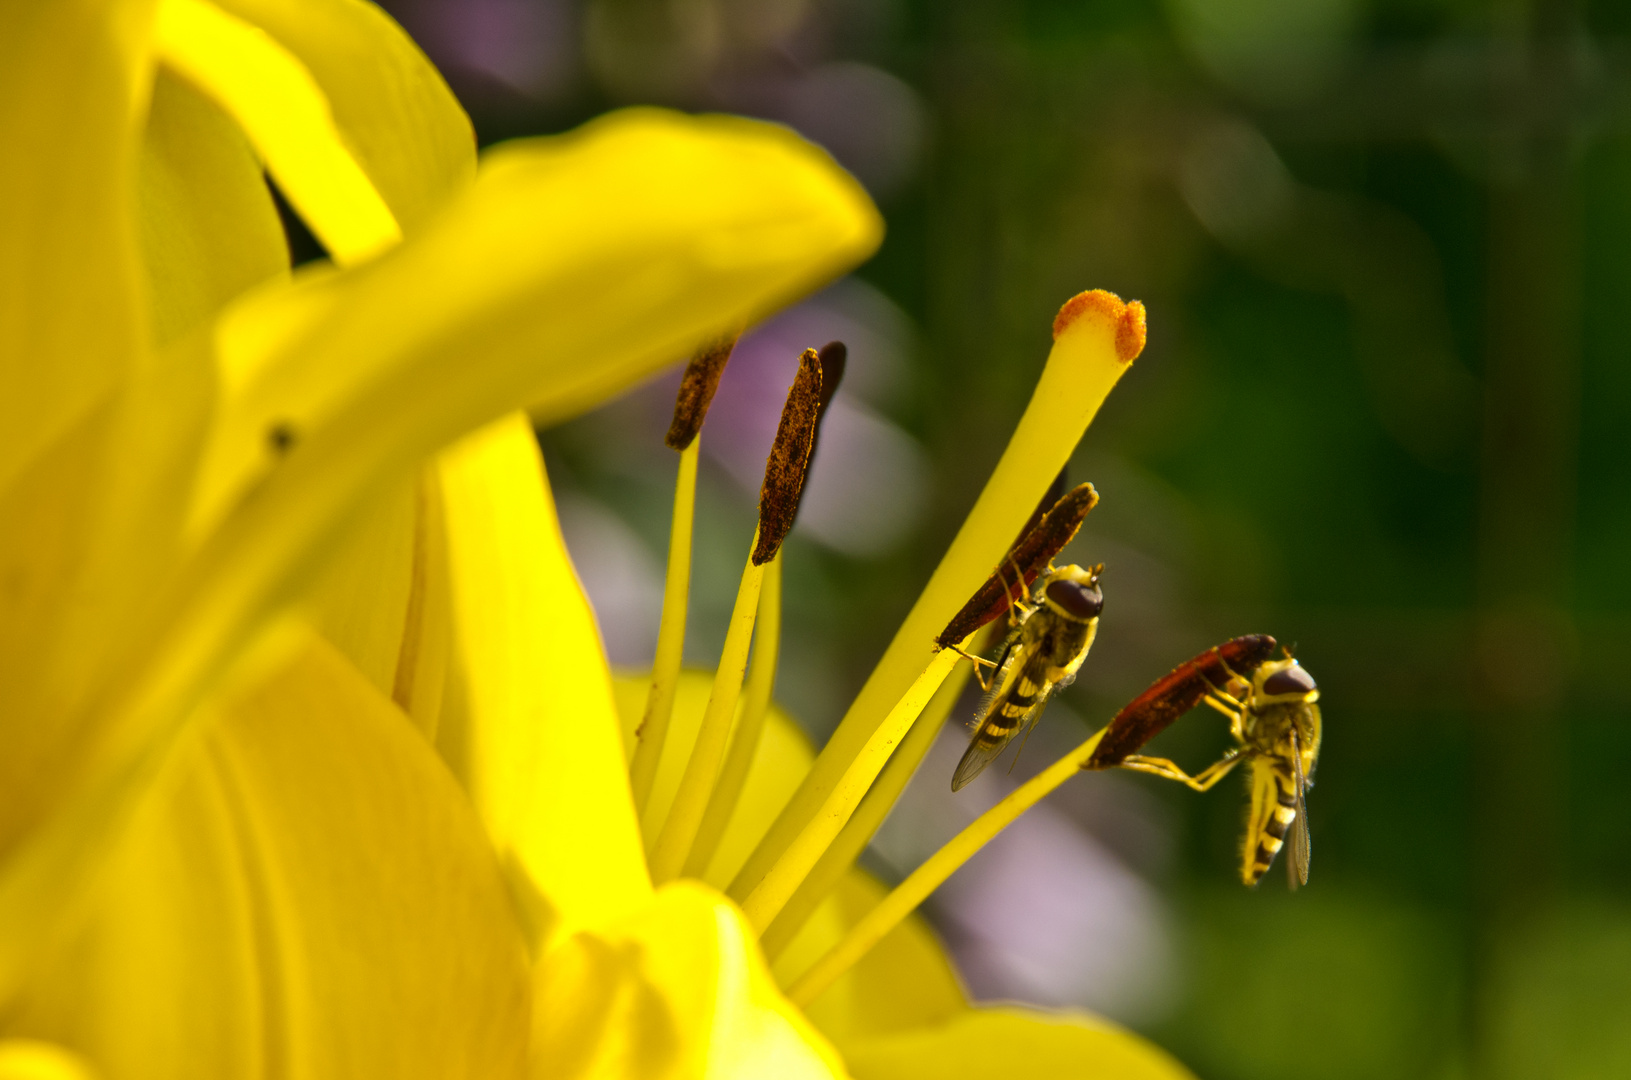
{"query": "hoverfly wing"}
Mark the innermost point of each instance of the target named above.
(980, 753)
(1297, 864)
(1014, 701)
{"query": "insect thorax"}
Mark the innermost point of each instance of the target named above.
(1268, 727)
(1059, 639)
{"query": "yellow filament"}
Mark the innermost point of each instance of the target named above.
(765, 902)
(665, 667)
(863, 824)
(702, 770)
(286, 117)
(745, 742)
(934, 871)
(1082, 368)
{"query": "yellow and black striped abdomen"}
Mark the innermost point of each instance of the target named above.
(1007, 714)
(1273, 810)
(1008, 709)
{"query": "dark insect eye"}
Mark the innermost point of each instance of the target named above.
(1289, 680)
(1078, 600)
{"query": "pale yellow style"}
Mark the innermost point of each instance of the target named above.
(311, 758)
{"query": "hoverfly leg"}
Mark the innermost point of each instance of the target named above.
(1234, 710)
(1202, 781)
(1015, 603)
(979, 662)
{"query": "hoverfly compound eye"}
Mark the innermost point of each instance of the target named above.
(1291, 679)
(1075, 599)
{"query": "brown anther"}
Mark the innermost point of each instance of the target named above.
(1175, 693)
(1019, 568)
(697, 388)
(789, 459)
(1127, 319)
(834, 357)
(1055, 492)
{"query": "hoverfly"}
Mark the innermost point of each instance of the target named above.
(1274, 718)
(1053, 630)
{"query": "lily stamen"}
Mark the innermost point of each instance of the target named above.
(1030, 553)
(1096, 338)
(756, 695)
(1053, 524)
(863, 824)
(696, 393)
(906, 896)
(778, 506)
(765, 902)
(832, 359)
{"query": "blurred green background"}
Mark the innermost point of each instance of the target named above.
(1383, 414)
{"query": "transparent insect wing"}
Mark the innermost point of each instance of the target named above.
(1301, 846)
(995, 729)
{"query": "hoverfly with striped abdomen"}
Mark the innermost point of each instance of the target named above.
(1053, 629)
(1275, 720)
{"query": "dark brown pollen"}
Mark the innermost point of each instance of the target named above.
(697, 388)
(1024, 561)
(834, 357)
(789, 459)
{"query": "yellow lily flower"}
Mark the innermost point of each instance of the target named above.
(312, 763)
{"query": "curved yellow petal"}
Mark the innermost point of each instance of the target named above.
(783, 757)
(360, 602)
(1013, 1044)
(286, 116)
(534, 732)
(382, 597)
(29, 1059)
(392, 107)
(680, 991)
(91, 516)
(90, 536)
(72, 330)
(308, 893)
(72, 84)
(208, 227)
(572, 268)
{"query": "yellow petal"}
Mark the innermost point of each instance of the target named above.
(574, 266)
(783, 757)
(308, 892)
(536, 737)
(393, 110)
(28, 1059)
(382, 598)
(286, 116)
(1013, 1044)
(90, 534)
(72, 77)
(360, 602)
(679, 990)
(91, 517)
(208, 227)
